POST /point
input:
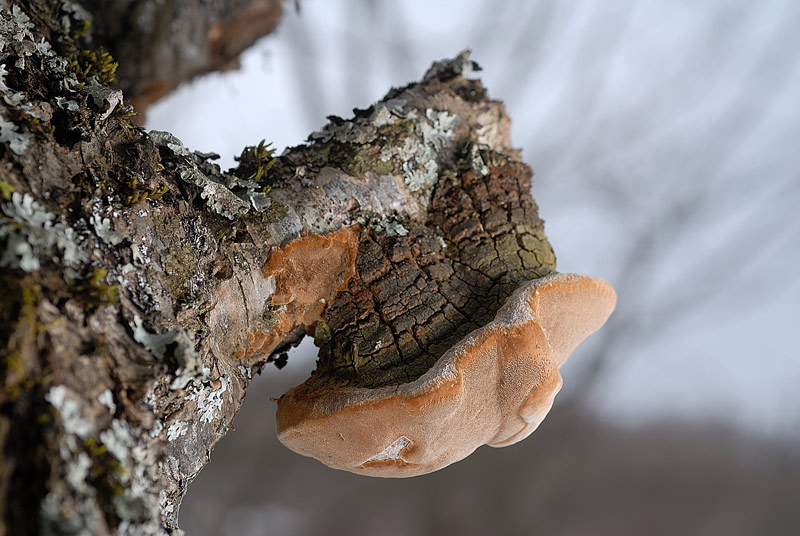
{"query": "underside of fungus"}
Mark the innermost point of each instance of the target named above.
(425, 277)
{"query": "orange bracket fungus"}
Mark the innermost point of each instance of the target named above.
(437, 341)
(411, 249)
(494, 387)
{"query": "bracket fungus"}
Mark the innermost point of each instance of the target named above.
(440, 340)
(419, 263)
(494, 387)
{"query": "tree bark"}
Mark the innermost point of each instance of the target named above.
(161, 44)
(143, 287)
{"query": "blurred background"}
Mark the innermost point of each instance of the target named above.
(665, 138)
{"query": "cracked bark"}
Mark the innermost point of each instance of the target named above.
(143, 287)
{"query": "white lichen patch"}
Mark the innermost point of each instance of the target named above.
(421, 172)
(209, 400)
(71, 411)
(158, 427)
(107, 399)
(139, 475)
(157, 343)
(439, 132)
(420, 166)
(78, 471)
(37, 236)
(21, 17)
(118, 439)
(176, 430)
(10, 134)
(102, 226)
(184, 376)
(217, 195)
(139, 256)
(392, 452)
(247, 372)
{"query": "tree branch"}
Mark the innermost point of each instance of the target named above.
(143, 286)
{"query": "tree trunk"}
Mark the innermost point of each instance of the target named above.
(143, 287)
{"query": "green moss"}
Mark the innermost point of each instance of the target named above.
(179, 266)
(106, 473)
(493, 158)
(80, 29)
(140, 192)
(397, 132)
(6, 189)
(94, 291)
(366, 159)
(322, 333)
(98, 63)
(255, 163)
(42, 128)
(124, 116)
(318, 157)
(274, 212)
(18, 316)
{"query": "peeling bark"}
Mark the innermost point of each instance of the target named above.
(143, 286)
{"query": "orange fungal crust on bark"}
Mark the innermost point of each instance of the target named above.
(307, 272)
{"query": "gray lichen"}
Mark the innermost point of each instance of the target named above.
(389, 225)
(460, 65)
(128, 461)
(73, 11)
(107, 399)
(177, 430)
(70, 408)
(9, 133)
(67, 104)
(157, 344)
(420, 165)
(169, 141)
(209, 399)
(33, 235)
(225, 193)
(478, 164)
(102, 226)
(104, 98)
(16, 33)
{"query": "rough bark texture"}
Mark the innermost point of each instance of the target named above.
(142, 287)
(414, 296)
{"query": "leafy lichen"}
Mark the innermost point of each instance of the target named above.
(225, 193)
(33, 236)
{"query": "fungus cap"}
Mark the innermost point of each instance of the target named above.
(494, 387)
